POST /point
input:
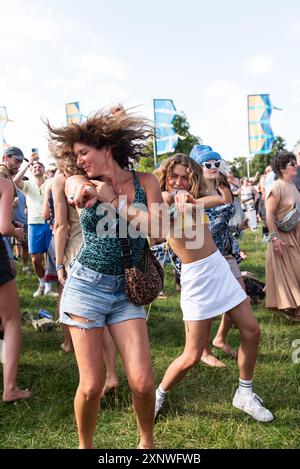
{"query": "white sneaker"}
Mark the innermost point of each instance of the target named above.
(252, 404)
(39, 292)
(52, 293)
(159, 402)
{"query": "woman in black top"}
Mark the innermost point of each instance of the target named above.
(9, 300)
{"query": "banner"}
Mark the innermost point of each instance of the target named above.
(73, 113)
(165, 133)
(261, 136)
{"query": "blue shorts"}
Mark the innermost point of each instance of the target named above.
(39, 237)
(98, 298)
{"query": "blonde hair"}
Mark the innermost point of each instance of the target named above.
(197, 183)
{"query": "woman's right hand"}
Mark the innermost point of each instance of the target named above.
(62, 276)
(181, 199)
(277, 246)
(19, 234)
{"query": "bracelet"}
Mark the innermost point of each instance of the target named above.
(59, 267)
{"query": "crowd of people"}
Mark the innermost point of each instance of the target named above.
(70, 223)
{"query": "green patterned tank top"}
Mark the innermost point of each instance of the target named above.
(102, 253)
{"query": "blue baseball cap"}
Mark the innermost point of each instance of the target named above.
(203, 153)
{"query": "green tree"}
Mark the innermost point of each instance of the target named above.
(184, 144)
(259, 162)
(239, 166)
(187, 140)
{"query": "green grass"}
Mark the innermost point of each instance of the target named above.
(198, 411)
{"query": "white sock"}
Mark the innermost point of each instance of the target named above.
(41, 282)
(48, 287)
(245, 387)
(160, 392)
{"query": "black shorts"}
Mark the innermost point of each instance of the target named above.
(5, 269)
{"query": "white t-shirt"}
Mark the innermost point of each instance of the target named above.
(34, 199)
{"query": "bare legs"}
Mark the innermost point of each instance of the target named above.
(88, 349)
(196, 333)
(109, 353)
(132, 341)
(220, 340)
(196, 336)
(10, 316)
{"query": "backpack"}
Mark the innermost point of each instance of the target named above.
(255, 289)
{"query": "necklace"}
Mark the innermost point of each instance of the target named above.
(122, 180)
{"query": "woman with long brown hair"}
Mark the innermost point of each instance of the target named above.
(106, 146)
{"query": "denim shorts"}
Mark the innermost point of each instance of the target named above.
(98, 298)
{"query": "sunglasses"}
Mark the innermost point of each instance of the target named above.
(214, 164)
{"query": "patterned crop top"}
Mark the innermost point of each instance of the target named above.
(102, 253)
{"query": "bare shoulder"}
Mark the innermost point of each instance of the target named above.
(146, 178)
(59, 181)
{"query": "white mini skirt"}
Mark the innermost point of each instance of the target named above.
(208, 288)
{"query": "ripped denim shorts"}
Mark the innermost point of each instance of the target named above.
(99, 299)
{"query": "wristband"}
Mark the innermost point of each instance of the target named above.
(59, 267)
(122, 204)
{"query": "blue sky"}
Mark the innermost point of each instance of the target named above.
(206, 56)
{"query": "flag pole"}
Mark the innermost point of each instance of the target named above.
(154, 138)
(248, 166)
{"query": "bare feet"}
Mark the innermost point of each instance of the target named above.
(225, 348)
(108, 389)
(16, 395)
(211, 360)
(161, 296)
(146, 446)
(67, 347)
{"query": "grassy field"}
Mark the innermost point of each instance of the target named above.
(198, 411)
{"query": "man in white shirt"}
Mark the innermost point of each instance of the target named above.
(39, 233)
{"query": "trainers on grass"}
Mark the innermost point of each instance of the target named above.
(39, 292)
(252, 405)
(159, 402)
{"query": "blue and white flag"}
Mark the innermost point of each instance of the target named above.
(73, 113)
(261, 136)
(165, 133)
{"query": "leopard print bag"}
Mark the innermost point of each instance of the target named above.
(142, 286)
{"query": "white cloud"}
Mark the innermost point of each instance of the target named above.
(259, 64)
(48, 59)
(221, 120)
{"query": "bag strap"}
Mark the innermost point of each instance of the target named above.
(126, 253)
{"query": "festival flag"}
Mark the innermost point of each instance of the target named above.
(165, 134)
(261, 136)
(73, 113)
